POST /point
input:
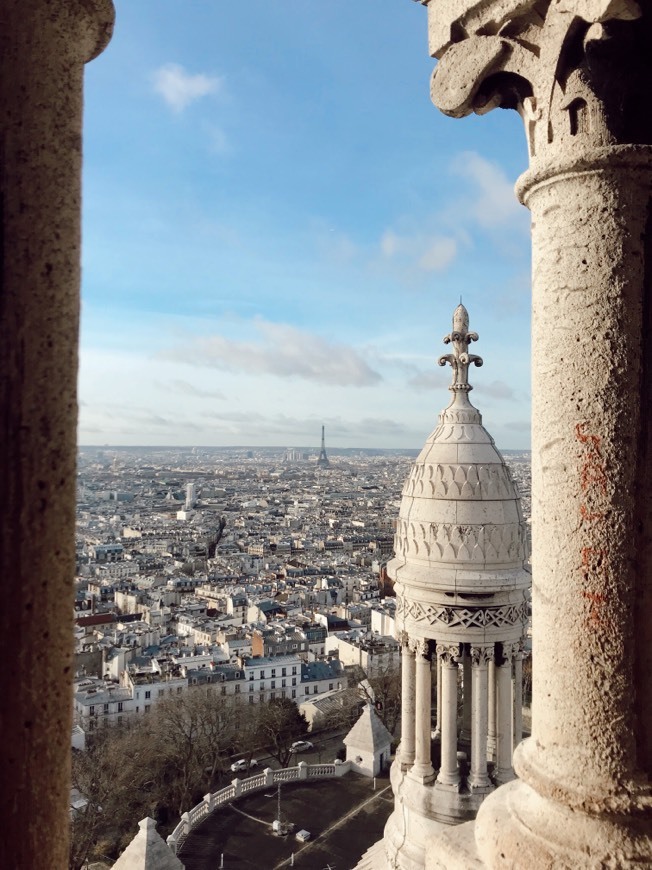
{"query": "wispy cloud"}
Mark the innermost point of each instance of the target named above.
(281, 350)
(180, 88)
(498, 390)
(493, 200)
(185, 388)
(430, 253)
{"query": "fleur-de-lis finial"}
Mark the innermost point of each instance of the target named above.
(460, 359)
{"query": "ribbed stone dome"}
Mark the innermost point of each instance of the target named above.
(460, 531)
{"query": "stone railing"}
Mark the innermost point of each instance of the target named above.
(241, 787)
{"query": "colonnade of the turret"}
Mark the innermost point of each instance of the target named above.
(480, 682)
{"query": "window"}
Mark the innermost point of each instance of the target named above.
(120, 718)
(137, 695)
(294, 693)
(251, 699)
(273, 672)
(261, 689)
(251, 675)
(314, 690)
(283, 683)
(119, 710)
(137, 709)
(330, 687)
(283, 670)
(147, 695)
(179, 690)
(272, 697)
(251, 688)
(294, 681)
(307, 690)
(91, 710)
(161, 692)
(170, 691)
(262, 675)
(294, 670)
(147, 706)
(283, 694)
(237, 689)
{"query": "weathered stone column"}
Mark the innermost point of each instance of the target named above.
(517, 695)
(43, 47)
(408, 699)
(422, 768)
(465, 733)
(504, 717)
(479, 778)
(579, 74)
(437, 734)
(449, 773)
(491, 704)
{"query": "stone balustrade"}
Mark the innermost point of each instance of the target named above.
(241, 787)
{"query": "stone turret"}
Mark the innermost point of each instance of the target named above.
(147, 851)
(462, 589)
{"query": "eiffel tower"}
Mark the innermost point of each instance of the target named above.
(322, 461)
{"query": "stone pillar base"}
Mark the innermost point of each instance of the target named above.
(422, 774)
(516, 827)
(448, 786)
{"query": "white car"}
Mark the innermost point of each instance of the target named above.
(301, 746)
(243, 764)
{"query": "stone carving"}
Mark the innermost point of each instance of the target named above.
(553, 61)
(451, 542)
(481, 655)
(461, 481)
(460, 359)
(462, 617)
(421, 647)
(450, 654)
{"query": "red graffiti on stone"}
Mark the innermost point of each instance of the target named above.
(593, 483)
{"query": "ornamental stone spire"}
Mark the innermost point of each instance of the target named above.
(462, 591)
(579, 74)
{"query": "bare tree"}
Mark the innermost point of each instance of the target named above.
(279, 724)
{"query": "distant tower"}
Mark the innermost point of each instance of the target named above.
(462, 592)
(323, 462)
(191, 496)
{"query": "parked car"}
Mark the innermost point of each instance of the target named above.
(301, 746)
(243, 764)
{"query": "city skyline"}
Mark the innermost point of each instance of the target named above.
(277, 227)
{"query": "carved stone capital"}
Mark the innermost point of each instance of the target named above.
(481, 655)
(575, 70)
(450, 654)
(421, 648)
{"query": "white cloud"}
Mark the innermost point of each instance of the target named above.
(281, 350)
(494, 199)
(432, 253)
(180, 88)
(497, 390)
(438, 255)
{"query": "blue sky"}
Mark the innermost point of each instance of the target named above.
(278, 225)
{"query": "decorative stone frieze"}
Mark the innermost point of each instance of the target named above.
(463, 617)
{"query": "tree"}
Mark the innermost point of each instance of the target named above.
(279, 724)
(383, 689)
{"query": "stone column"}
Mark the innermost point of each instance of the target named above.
(504, 716)
(491, 704)
(422, 768)
(43, 47)
(479, 777)
(465, 733)
(517, 695)
(408, 700)
(449, 774)
(580, 76)
(437, 734)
